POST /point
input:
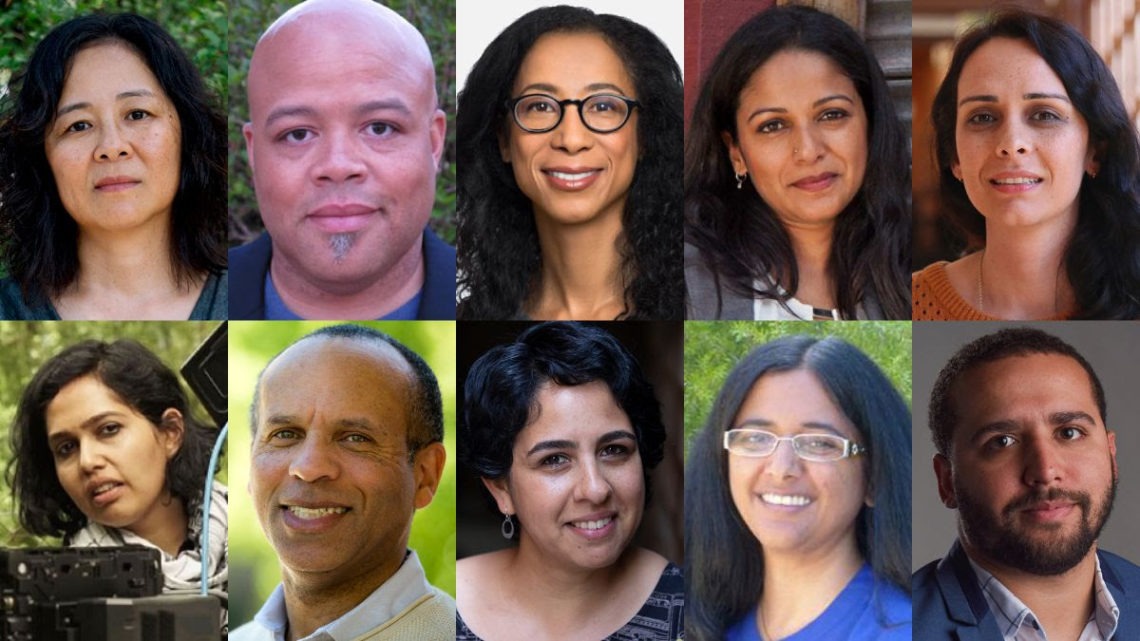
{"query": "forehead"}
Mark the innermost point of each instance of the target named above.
(1007, 66)
(571, 62)
(105, 66)
(580, 413)
(1024, 385)
(80, 398)
(816, 76)
(790, 401)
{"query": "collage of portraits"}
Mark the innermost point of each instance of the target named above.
(509, 320)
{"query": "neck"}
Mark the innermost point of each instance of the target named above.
(314, 599)
(165, 525)
(1022, 275)
(581, 270)
(570, 594)
(798, 588)
(369, 297)
(812, 248)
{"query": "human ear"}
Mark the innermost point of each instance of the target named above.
(438, 135)
(944, 473)
(956, 169)
(734, 155)
(500, 490)
(247, 133)
(1092, 158)
(427, 469)
(171, 431)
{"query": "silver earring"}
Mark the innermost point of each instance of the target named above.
(508, 527)
(740, 180)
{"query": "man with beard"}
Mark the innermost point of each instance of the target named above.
(344, 141)
(1024, 455)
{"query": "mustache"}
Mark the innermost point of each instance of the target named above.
(1029, 499)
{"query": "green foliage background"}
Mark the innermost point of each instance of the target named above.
(27, 345)
(254, 570)
(248, 19)
(712, 349)
(198, 25)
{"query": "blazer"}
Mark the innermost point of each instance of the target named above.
(249, 265)
(949, 604)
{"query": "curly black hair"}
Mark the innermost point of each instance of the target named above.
(738, 235)
(140, 380)
(1102, 259)
(38, 237)
(500, 261)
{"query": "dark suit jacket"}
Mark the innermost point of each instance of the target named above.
(249, 265)
(949, 604)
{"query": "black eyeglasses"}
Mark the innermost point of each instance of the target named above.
(602, 113)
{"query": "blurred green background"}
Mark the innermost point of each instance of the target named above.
(27, 345)
(254, 570)
(713, 348)
(248, 19)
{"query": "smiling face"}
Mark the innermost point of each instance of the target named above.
(1022, 146)
(790, 505)
(575, 482)
(331, 479)
(802, 143)
(114, 145)
(571, 174)
(1032, 468)
(344, 146)
(109, 458)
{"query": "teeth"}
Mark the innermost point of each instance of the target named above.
(593, 525)
(1016, 181)
(571, 177)
(783, 499)
(104, 487)
(315, 513)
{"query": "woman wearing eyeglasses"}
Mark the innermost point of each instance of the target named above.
(797, 501)
(569, 197)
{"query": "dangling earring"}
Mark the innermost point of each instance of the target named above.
(740, 180)
(508, 527)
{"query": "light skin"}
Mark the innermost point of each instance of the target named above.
(577, 491)
(344, 164)
(114, 150)
(804, 148)
(1029, 426)
(810, 550)
(578, 180)
(331, 478)
(112, 461)
(1022, 152)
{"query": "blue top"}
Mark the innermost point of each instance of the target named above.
(868, 609)
(212, 304)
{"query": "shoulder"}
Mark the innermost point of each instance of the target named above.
(481, 569)
(252, 253)
(251, 631)
(437, 301)
(1124, 571)
(706, 298)
(214, 301)
(935, 297)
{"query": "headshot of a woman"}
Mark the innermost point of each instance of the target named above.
(570, 134)
(796, 178)
(105, 452)
(112, 179)
(1039, 166)
(563, 430)
(797, 500)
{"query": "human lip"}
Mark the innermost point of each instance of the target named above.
(594, 526)
(104, 491)
(312, 517)
(571, 178)
(1012, 182)
(115, 183)
(817, 182)
(782, 500)
(1049, 511)
(339, 218)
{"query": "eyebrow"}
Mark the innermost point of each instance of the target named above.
(350, 422)
(781, 110)
(366, 108)
(608, 437)
(811, 425)
(93, 420)
(1028, 96)
(597, 86)
(134, 93)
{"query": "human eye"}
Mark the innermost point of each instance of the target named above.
(771, 126)
(380, 128)
(110, 429)
(284, 434)
(298, 135)
(752, 441)
(1000, 442)
(357, 438)
(833, 114)
(137, 114)
(981, 118)
(77, 126)
(1046, 116)
(64, 449)
(1070, 433)
(616, 450)
(554, 461)
(605, 103)
(821, 444)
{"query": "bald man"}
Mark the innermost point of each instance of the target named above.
(347, 443)
(344, 141)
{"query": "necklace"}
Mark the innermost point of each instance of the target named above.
(981, 295)
(981, 299)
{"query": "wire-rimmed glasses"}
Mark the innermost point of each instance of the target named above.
(602, 113)
(810, 447)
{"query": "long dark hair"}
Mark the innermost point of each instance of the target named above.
(1103, 257)
(725, 562)
(141, 381)
(38, 237)
(738, 235)
(499, 256)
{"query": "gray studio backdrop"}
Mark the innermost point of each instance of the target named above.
(1113, 349)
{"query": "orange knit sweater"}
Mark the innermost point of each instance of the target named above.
(934, 298)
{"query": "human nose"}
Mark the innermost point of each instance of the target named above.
(91, 457)
(807, 145)
(593, 486)
(313, 462)
(341, 159)
(1042, 465)
(571, 134)
(783, 461)
(1012, 140)
(111, 144)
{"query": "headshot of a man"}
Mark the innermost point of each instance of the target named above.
(347, 430)
(344, 143)
(1023, 453)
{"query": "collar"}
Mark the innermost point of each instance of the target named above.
(401, 590)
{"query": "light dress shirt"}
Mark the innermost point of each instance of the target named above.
(1018, 623)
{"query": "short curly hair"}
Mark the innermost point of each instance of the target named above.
(38, 236)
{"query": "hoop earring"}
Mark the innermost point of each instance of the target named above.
(740, 180)
(508, 527)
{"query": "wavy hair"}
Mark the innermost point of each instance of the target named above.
(725, 561)
(140, 380)
(500, 262)
(738, 235)
(38, 236)
(1103, 257)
